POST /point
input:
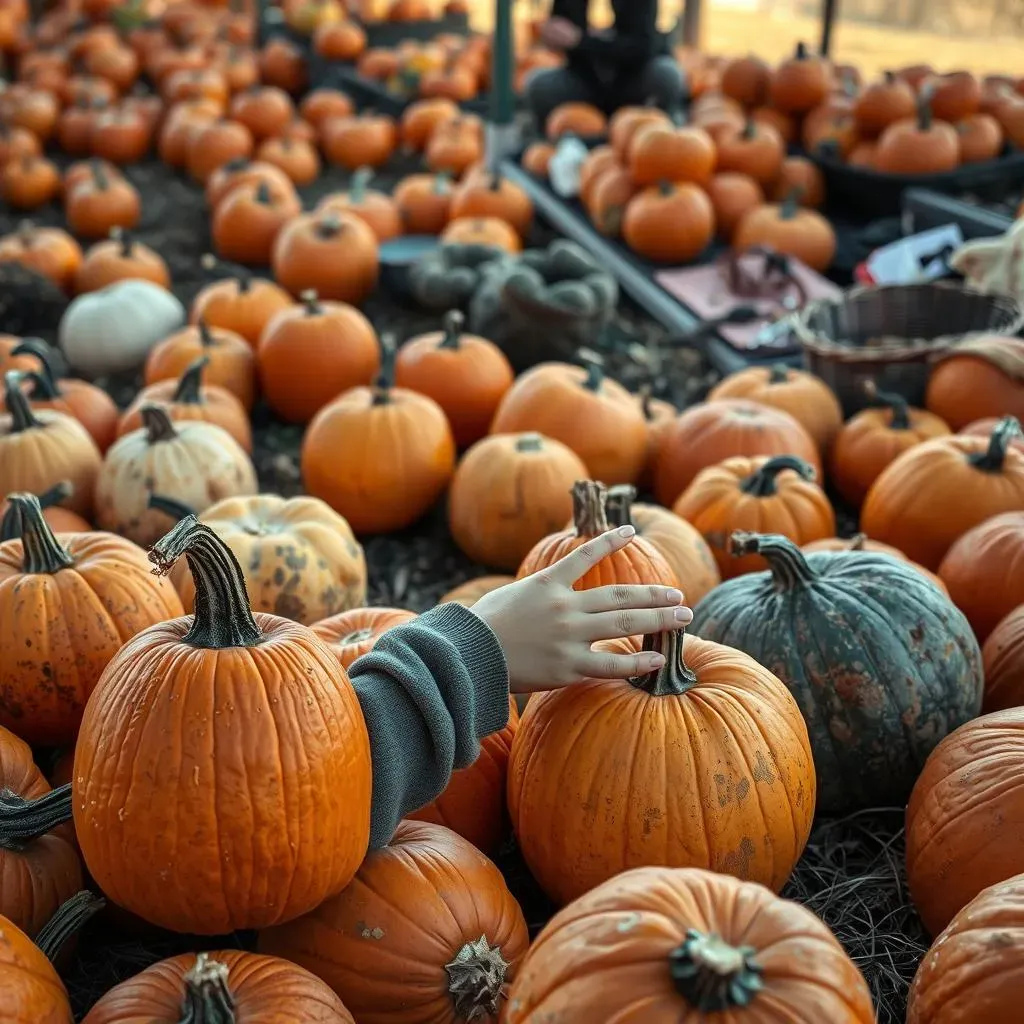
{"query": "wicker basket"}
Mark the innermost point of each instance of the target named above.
(889, 335)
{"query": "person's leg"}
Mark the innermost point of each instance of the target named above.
(547, 88)
(660, 82)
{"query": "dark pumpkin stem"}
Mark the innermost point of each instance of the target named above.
(44, 388)
(778, 373)
(588, 515)
(359, 184)
(646, 393)
(157, 423)
(790, 206)
(188, 391)
(49, 384)
(208, 999)
(223, 617)
(41, 551)
(262, 194)
(675, 677)
(801, 51)
(896, 404)
(10, 524)
(453, 324)
(666, 188)
(476, 980)
(169, 506)
(762, 483)
(749, 130)
(311, 300)
(788, 565)
(595, 373)
(712, 976)
(328, 226)
(618, 505)
(126, 240)
(999, 441)
(531, 442)
(23, 820)
(99, 175)
(206, 338)
(22, 417)
(386, 378)
(68, 919)
(924, 109)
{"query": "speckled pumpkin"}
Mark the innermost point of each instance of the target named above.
(877, 688)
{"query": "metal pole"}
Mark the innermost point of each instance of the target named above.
(828, 17)
(501, 132)
(690, 22)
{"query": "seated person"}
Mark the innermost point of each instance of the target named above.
(627, 64)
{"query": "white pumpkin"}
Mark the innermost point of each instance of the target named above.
(113, 329)
(193, 462)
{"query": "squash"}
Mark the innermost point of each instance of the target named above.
(665, 152)
(871, 727)
(141, 778)
(353, 632)
(242, 304)
(101, 203)
(447, 277)
(801, 177)
(765, 494)
(790, 229)
(120, 258)
(918, 144)
(431, 902)
(296, 157)
(243, 171)
(103, 593)
(489, 231)
(708, 946)
(1003, 658)
(976, 379)
(215, 143)
(112, 330)
(860, 542)
(646, 799)
(489, 194)
(421, 118)
(755, 149)
(732, 195)
(467, 594)
(669, 223)
(800, 83)
(265, 110)
(424, 203)
(376, 209)
(362, 140)
(881, 103)
(319, 104)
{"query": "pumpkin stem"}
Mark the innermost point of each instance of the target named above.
(126, 240)
(45, 354)
(99, 175)
(188, 390)
(262, 194)
(666, 188)
(790, 206)
(22, 417)
(801, 51)
(856, 542)
(223, 617)
(328, 226)
(311, 300)
(359, 184)
(896, 404)
(924, 109)
(208, 999)
(453, 324)
(10, 525)
(595, 372)
(44, 388)
(386, 378)
(442, 183)
(26, 233)
(749, 130)
(157, 423)
(675, 677)
(712, 976)
(645, 394)
(177, 510)
(788, 565)
(41, 551)
(778, 373)
(476, 980)
(67, 919)
(618, 505)
(762, 483)
(992, 459)
(206, 338)
(588, 515)
(23, 820)
(530, 442)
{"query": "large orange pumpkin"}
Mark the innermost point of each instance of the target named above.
(30, 988)
(669, 223)
(791, 229)
(663, 152)
(352, 633)
(624, 767)
(1003, 658)
(977, 379)
(241, 812)
(490, 194)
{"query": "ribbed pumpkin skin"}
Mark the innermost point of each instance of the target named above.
(30, 990)
(882, 665)
(605, 777)
(352, 633)
(861, 543)
(1003, 658)
(606, 957)
(682, 546)
(265, 990)
(974, 972)
(964, 817)
(382, 943)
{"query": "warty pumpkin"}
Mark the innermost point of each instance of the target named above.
(120, 258)
(509, 492)
(103, 593)
(375, 208)
(261, 684)
(708, 946)
(976, 379)
(468, 593)
(353, 632)
(592, 414)
(958, 814)
(709, 432)
(434, 904)
(242, 304)
(764, 494)
(860, 542)
(872, 725)
(637, 803)
(935, 492)
(1003, 658)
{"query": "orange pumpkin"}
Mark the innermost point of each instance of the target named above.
(597, 161)
(377, 209)
(659, 152)
(61, 520)
(800, 83)
(976, 379)
(490, 194)
(50, 251)
(30, 988)
(424, 203)
(320, 104)
(787, 228)
(537, 158)
(918, 145)
(860, 542)
(265, 110)
(243, 171)
(247, 222)
(358, 141)
(296, 157)
(120, 258)
(29, 182)
(746, 80)
(1003, 658)
(421, 119)
(981, 138)
(214, 144)
(732, 194)
(953, 96)
(101, 203)
(455, 146)
(802, 177)
(883, 102)
(756, 149)
(669, 223)
(351, 634)
(242, 304)
(489, 231)
(339, 40)
(609, 198)
(582, 119)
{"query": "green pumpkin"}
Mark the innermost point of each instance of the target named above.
(881, 662)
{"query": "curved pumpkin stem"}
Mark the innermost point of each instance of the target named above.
(42, 552)
(22, 417)
(223, 617)
(454, 323)
(68, 919)
(788, 565)
(188, 391)
(712, 976)
(778, 373)
(856, 542)
(386, 378)
(618, 506)
(206, 336)
(762, 483)
(157, 423)
(476, 980)
(675, 677)
(23, 820)
(10, 525)
(595, 372)
(359, 184)
(1003, 433)
(588, 515)
(45, 379)
(208, 999)
(897, 404)
(169, 506)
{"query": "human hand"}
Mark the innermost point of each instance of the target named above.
(546, 628)
(560, 34)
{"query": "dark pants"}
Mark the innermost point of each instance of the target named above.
(659, 81)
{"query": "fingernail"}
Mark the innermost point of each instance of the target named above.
(626, 531)
(683, 614)
(655, 660)
(674, 596)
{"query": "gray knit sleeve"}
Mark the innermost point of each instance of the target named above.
(429, 691)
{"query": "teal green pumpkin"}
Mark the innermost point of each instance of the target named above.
(882, 664)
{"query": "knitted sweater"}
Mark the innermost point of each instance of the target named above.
(429, 691)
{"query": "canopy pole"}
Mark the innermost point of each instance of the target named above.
(501, 128)
(828, 17)
(689, 23)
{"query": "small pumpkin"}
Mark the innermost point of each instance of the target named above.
(953, 96)
(732, 195)
(313, 352)
(247, 222)
(976, 379)
(670, 223)
(468, 593)
(242, 304)
(180, 122)
(422, 117)
(265, 110)
(660, 152)
(981, 138)
(123, 135)
(243, 171)
(184, 775)
(377, 209)
(489, 231)
(883, 102)
(537, 158)
(214, 144)
(756, 149)
(455, 146)
(339, 40)
(598, 160)
(50, 251)
(658, 414)
(746, 80)
(790, 229)
(801, 176)
(580, 119)
(424, 203)
(609, 198)
(28, 182)
(1003, 659)
(490, 194)
(918, 145)
(358, 141)
(319, 104)
(99, 204)
(352, 633)
(120, 258)
(800, 83)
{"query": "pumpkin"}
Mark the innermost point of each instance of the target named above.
(16, 142)
(981, 138)
(299, 557)
(807, 398)
(38, 861)
(786, 125)
(766, 494)
(595, 163)
(123, 135)
(918, 145)
(639, 562)
(61, 519)
(708, 946)
(980, 571)
(214, 144)
(231, 359)
(181, 121)
(658, 414)
(732, 195)
(490, 194)
(193, 461)
(358, 141)
(976, 379)
(645, 800)
(379, 486)
(860, 542)
(377, 209)
(120, 258)
(489, 231)
(189, 399)
(242, 304)
(609, 197)
(421, 118)
(805, 619)
(229, 985)
(756, 149)
(29, 182)
(537, 158)
(100, 204)
(935, 492)
(247, 222)
(265, 110)
(340, 40)
(800, 83)
(313, 352)
(802, 178)
(590, 413)
(51, 252)
(1003, 658)
(39, 449)
(30, 988)
(334, 254)
(180, 671)
(319, 104)
(106, 594)
(353, 632)
(581, 119)
(746, 80)
(243, 171)
(433, 903)
(709, 432)
(669, 223)
(953, 96)
(883, 102)
(468, 593)
(660, 152)
(454, 146)
(424, 203)
(465, 374)
(790, 229)
(113, 329)
(874, 438)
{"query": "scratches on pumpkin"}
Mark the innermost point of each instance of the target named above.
(366, 932)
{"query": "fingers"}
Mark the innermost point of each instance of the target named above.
(620, 666)
(623, 597)
(576, 565)
(633, 622)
